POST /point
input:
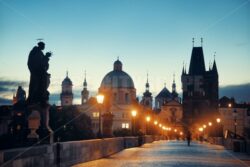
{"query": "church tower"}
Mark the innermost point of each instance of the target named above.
(67, 95)
(85, 92)
(174, 92)
(20, 95)
(147, 99)
(200, 89)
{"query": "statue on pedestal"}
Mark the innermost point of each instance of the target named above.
(38, 65)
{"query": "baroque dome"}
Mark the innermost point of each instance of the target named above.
(67, 80)
(117, 78)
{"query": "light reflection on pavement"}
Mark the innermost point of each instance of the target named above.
(169, 153)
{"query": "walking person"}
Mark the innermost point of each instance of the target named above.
(188, 138)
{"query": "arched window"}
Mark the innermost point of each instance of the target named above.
(126, 98)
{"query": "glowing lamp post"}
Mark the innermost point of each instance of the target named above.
(218, 120)
(235, 122)
(100, 99)
(133, 113)
(147, 122)
(201, 133)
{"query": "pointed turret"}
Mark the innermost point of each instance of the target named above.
(85, 92)
(197, 63)
(183, 70)
(147, 84)
(173, 85)
(85, 82)
(214, 69)
(174, 92)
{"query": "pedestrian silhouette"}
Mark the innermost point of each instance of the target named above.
(188, 138)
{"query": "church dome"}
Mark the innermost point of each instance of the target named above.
(67, 81)
(117, 78)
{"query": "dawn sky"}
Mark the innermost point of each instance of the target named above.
(147, 35)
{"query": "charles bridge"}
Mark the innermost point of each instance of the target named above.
(129, 151)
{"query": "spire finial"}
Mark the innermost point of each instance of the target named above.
(174, 78)
(214, 55)
(85, 82)
(117, 57)
(67, 73)
(165, 84)
(185, 68)
(201, 41)
(193, 41)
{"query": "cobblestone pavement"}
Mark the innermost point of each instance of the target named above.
(170, 153)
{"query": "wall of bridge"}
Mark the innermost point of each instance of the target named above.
(69, 153)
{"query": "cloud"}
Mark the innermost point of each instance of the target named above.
(241, 92)
(7, 88)
(9, 85)
(4, 101)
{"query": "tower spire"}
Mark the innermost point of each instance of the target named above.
(193, 41)
(214, 68)
(201, 42)
(147, 84)
(67, 73)
(183, 71)
(174, 78)
(85, 82)
(173, 85)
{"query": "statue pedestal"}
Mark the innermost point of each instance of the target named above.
(38, 122)
(33, 125)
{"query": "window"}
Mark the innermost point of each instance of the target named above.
(126, 98)
(125, 125)
(95, 114)
(115, 97)
(248, 112)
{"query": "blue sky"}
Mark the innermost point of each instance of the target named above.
(147, 35)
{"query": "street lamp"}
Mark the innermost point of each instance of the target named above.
(210, 123)
(235, 122)
(218, 120)
(133, 113)
(147, 121)
(100, 99)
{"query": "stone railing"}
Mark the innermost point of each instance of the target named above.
(237, 145)
(69, 153)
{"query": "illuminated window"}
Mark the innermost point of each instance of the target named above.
(125, 125)
(95, 114)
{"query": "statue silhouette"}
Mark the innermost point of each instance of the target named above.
(38, 64)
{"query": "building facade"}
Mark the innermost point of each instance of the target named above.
(235, 117)
(200, 89)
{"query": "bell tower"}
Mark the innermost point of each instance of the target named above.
(85, 92)
(147, 99)
(67, 95)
